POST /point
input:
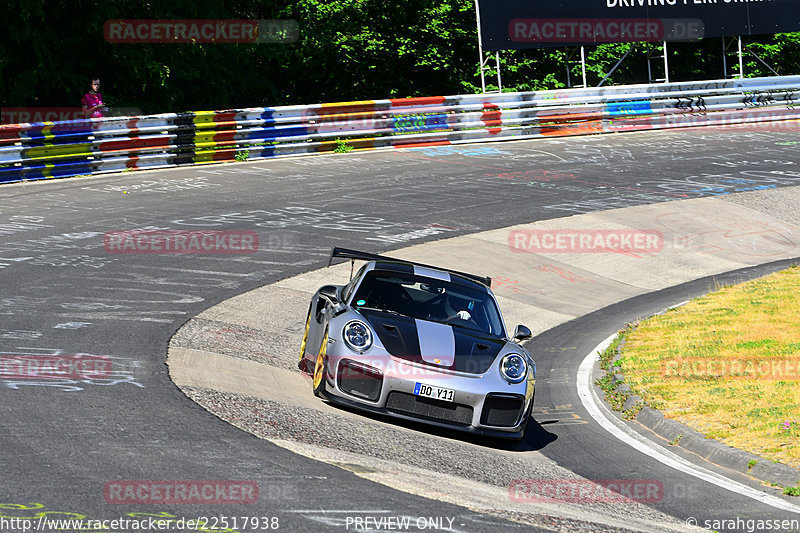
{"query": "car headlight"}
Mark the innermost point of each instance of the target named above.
(514, 368)
(357, 336)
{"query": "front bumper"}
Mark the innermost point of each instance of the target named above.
(482, 404)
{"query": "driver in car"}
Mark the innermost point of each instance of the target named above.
(464, 307)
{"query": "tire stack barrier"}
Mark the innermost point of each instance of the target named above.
(92, 146)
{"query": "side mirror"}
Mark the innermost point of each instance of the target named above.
(330, 293)
(522, 333)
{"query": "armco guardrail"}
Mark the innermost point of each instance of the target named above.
(92, 146)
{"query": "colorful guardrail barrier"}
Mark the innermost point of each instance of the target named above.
(91, 146)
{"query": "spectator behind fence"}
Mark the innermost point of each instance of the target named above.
(93, 101)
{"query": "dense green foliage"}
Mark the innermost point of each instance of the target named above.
(347, 50)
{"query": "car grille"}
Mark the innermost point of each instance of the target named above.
(502, 410)
(360, 381)
(408, 404)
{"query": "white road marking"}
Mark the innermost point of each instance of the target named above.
(621, 431)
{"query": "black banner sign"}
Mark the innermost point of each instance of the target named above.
(516, 24)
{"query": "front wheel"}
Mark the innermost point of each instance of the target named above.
(320, 367)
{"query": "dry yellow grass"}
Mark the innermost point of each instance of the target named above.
(728, 365)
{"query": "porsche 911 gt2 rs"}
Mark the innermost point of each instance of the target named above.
(419, 343)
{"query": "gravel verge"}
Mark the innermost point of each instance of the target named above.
(376, 450)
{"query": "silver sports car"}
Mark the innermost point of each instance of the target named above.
(420, 343)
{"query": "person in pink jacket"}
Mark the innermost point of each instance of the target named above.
(93, 101)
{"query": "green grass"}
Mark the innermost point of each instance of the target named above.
(792, 491)
(727, 364)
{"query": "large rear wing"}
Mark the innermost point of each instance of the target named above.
(353, 255)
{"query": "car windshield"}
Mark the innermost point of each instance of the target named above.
(431, 299)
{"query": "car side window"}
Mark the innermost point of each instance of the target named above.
(348, 289)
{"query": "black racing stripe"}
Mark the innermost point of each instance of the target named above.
(395, 267)
(398, 334)
(475, 353)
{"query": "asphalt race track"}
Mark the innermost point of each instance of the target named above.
(68, 442)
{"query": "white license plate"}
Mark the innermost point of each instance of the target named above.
(437, 393)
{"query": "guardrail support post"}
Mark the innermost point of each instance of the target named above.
(650, 58)
(569, 74)
(483, 60)
(583, 66)
(726, 45)
(497, 64)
